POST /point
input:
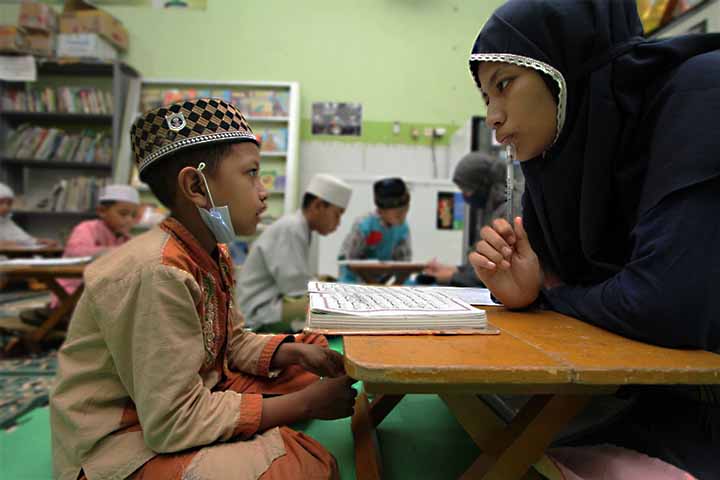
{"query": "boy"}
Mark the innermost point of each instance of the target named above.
(156, 378)
(381, 235)
(10, 234)
(117, 210)
(277, 268)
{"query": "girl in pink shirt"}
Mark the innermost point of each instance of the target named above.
(117, 213)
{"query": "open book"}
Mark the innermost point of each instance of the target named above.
(343, 309)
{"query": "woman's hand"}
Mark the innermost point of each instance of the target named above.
(507, 264)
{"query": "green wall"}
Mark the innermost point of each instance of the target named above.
(404, 60)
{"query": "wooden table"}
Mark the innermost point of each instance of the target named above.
(561, 362)
(48, 275)
(371, 273)
(14, 252)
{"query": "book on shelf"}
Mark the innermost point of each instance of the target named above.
(272, 139)
(341, 309)
(76, 194)
(252, 103)
(54, 144)
(86, 100)
(267, 179)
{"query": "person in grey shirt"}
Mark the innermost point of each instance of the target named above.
(482, 180)
(273, 281)
(11, 235)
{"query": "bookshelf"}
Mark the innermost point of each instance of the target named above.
(62, 131)
(277, 124)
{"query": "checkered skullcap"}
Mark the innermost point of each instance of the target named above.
(166, 130)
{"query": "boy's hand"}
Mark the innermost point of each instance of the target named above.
(443, 273)
(321, 361)
(324, 362)
(330, 398)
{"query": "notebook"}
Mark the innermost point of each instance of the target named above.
(341, 309)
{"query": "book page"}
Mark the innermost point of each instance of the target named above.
(45, 262)
(471, 295)
(385, 301)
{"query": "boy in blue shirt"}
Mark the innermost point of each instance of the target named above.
(380, 235)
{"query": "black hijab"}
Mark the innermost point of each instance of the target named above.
(583, 195)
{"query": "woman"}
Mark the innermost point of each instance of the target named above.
(619, 147)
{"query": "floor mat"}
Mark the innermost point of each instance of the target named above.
(24, 385)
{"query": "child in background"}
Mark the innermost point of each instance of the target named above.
(10, 234)
(157, 378)
(273, 282)
(117, 210)
(117, 213)
(383, 234)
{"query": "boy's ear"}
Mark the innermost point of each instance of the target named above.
(191, 187)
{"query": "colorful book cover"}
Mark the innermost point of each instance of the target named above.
(280, 182)
(172, 95)
(269, 103)
(267, 178)
(273, 139)
(241, 99)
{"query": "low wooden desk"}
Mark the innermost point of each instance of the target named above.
(561, 362)
(48, 275)
(371, 272)
(15, 252)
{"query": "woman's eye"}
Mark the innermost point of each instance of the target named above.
(502, 84)
(253, 172)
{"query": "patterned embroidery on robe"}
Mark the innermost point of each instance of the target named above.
(209, 319)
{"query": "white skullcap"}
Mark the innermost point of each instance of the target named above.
(119, 193)
(6, 192)
(331, 189)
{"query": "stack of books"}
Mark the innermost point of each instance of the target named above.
(54, 144)
(88, 100)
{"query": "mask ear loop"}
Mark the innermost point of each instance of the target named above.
(200, 168)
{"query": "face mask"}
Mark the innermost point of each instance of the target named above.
(217, 219)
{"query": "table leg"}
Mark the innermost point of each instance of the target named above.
(478, 420)
(368, 415)
(66, 306)
(509, 453)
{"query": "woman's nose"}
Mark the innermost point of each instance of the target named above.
(495, 116)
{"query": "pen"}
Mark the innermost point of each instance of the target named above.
(510, 183)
